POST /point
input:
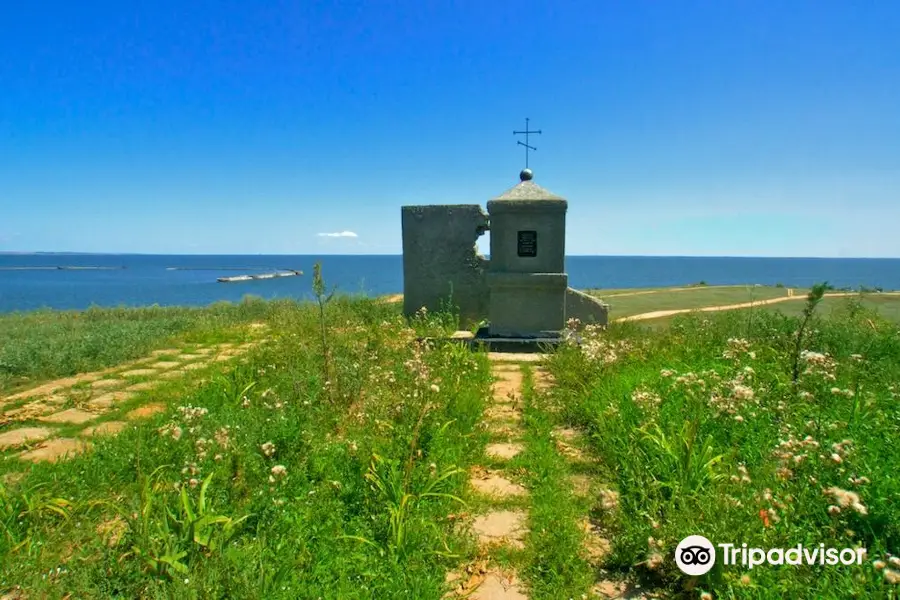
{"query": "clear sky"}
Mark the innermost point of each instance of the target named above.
(682, 128)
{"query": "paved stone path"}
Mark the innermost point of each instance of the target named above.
(43, 410)
(503, 527)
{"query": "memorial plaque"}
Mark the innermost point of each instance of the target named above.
(528, 243)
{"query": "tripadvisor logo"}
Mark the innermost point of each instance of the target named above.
(696, 555)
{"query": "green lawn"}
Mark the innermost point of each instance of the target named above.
(627, 305)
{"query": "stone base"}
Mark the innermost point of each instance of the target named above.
(500, 343)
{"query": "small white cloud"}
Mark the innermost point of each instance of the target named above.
(339, 234)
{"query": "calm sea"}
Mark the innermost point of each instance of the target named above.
(141, 280)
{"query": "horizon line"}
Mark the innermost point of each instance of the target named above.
(76, 253)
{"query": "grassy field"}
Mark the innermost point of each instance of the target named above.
(289, 476)
(626, 303)
(705, 427)
(333, 462)
(41, 345)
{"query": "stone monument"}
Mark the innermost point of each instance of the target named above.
(522, 291)
(526, 277)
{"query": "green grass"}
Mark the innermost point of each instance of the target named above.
(41, 345)
(371, 461)
(706, 458)
(697, 297)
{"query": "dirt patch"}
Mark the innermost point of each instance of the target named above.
(105, 401)
(503, 451)
(145, 411)
(25, 435)
(492, 484)
(72, 415)
(106, 428)
(54, 450)
(501, 527)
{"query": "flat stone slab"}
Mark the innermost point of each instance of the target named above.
(462, 335)
(72, 415)
(103, 384)
(566, 433)
(508, 388)
(497, 486)
(165, 351)
(191, 356)
(41, 390)
(172, 375)
(29, 411)
(504, 451)
(501, 527)
(499, 586)
(148, 410)
(516, 357)
(202, 351)
(106, 428)
(164, 365)
(141, 387)
(193, 366)
(596, 545)
(502, 412)
(139, 373)
(22, 436)
(54, 450)
(107, 400)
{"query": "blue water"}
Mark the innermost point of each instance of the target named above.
(145, 279)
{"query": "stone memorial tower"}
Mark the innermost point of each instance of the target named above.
(526, 276)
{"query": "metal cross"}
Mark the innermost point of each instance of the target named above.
(525, 143)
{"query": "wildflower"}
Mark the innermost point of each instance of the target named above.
(892, 576)
(745, 579)
(435, 388)
(666, 373)
(894, 561)
(279, 471)
(192, 413)
(878, 565)
(194, 482)
(268, 449)
(706, 596)
(847, 499)
(655, 561)
(739, 418)
(609, 499)
(172, 430)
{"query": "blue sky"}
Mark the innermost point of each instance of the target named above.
(673, 128)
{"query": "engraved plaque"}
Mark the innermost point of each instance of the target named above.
(527, 243)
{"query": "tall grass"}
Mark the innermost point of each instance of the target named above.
(702, 430)
(255, 485)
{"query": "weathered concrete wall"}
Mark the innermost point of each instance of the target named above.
(440, 261)
(586, 308)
